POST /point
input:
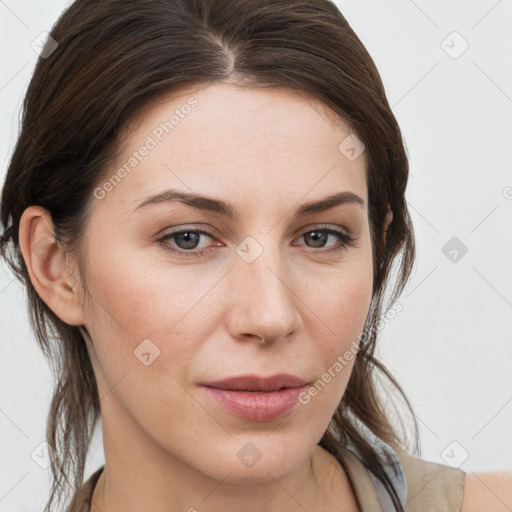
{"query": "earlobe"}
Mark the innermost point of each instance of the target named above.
(46, 265)
(387, 221)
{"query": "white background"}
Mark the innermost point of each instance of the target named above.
(451, 346)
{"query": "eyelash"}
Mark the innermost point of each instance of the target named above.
(346, 240)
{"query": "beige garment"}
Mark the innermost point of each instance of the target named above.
(431, 487)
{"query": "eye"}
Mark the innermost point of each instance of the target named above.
(188, 240)
(320, 235)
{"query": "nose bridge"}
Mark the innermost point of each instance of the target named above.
(262, 301)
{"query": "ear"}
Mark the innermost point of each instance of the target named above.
(45, 263)
(387, 221)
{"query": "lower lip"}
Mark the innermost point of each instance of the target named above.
(256, 405)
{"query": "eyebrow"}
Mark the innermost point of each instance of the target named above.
(226, 209)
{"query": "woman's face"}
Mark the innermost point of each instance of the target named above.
(264, 291)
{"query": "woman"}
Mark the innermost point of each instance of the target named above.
(204, 203)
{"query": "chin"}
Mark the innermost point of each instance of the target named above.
(258, 459)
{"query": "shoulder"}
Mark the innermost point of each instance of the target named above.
(430, 485)
(491, 492)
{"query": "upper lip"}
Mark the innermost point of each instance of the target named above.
(257, 383)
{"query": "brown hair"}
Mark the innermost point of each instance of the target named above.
(113, 58)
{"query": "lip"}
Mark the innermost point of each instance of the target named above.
(257, 383)
(256, 398)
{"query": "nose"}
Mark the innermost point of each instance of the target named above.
(263, 304)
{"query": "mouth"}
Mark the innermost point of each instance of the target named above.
(257, 383)
(256, 398)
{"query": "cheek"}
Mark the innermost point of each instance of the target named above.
(149, 323)
(139, 324)
(145, 298)
(340, 310)
(340, 301)
(343, 309)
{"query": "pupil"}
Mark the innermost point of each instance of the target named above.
(318, 238)
(189, 239)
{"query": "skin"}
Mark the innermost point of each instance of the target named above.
(294, 309)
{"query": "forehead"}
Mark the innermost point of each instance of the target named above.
(225, 138)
